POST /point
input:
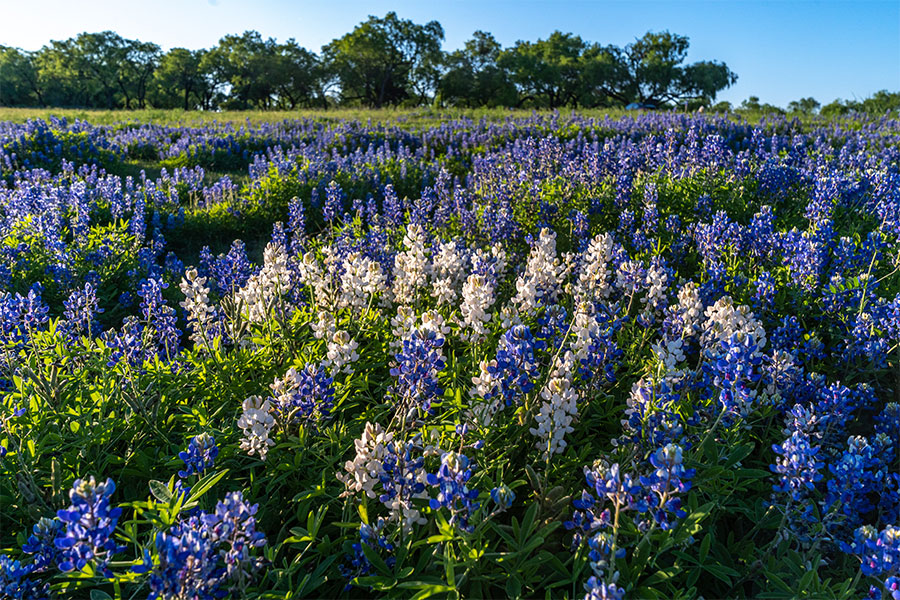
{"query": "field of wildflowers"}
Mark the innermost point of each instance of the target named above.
(544, 356)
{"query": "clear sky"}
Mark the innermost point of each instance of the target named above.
(781, 50)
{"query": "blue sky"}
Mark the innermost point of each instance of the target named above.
(781, 50)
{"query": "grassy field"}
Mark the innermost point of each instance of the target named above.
(410, 116)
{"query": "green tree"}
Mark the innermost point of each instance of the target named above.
(138, 62)
(650, 71)
(385, 61)
(548, 72)
(20, 83)
(472, 76)
(297, 77)
(806, 106)
(178, 79)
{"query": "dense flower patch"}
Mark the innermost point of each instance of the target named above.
(652, 357)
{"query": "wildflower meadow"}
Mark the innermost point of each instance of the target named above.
(546, 356)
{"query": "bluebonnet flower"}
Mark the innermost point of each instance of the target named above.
(669, 479)
(233, 527)
(296, 226)
(15, 583)
(879, 552)
(306, 395)
(735, 373)
(127, 345)
(188, 563)
(199, 456)
(858, 475)
(503, 497)
(516, 370)
(600, 590)
(42, 543)
(798, 465)
(160, 317)
(334, 201)
(416, 371)
(227, 272)
(80, 311)
(402, 478)
(89, 525)
(358, 563)
(764, 295)
(605, 483)
(454, 494)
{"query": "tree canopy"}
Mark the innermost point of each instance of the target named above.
(383, 61)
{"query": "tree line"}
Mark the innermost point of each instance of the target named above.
(384, 61)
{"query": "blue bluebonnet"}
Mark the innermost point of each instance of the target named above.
(857, 475)
(416, 371)
(879, 553)
(80, 312)
(503, 497)
(188, 564)
(357, 563)
(89, 525)
(200, 455)
(42, 543)
(598, 589)
(454, 494)
(334, 201)
(306, 395)
(233, 526)
(402, 479)
(159, 317)
(798, 466)
(516, 371)
(735, 372)
(16, 584)
(667, 482)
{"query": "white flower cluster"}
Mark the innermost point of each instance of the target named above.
(402, 325)
(585, 329)
(593, 277)
(262, 295)
(479, 292)
(367, 467)
(689, 309)
(201, 315)
(669, 355)
(657, 283)
(324, 326)
(544, 274)
(485, 405)
(321, 278)
(558, 409)
(256, 422)
(724, 319)
(448, 273)
(363, 472)
(411, 266)
(341, 353)
(361, 280)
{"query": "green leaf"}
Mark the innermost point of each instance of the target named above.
(738, 454)
(704, 547)
(160, 491)
(204, 485)
(100, 595)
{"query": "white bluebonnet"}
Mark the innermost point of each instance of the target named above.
(341, 353)
(448, 273)
(201, 314)
(542, 280)
(559, 407)
(412, 266)
(256, 423)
